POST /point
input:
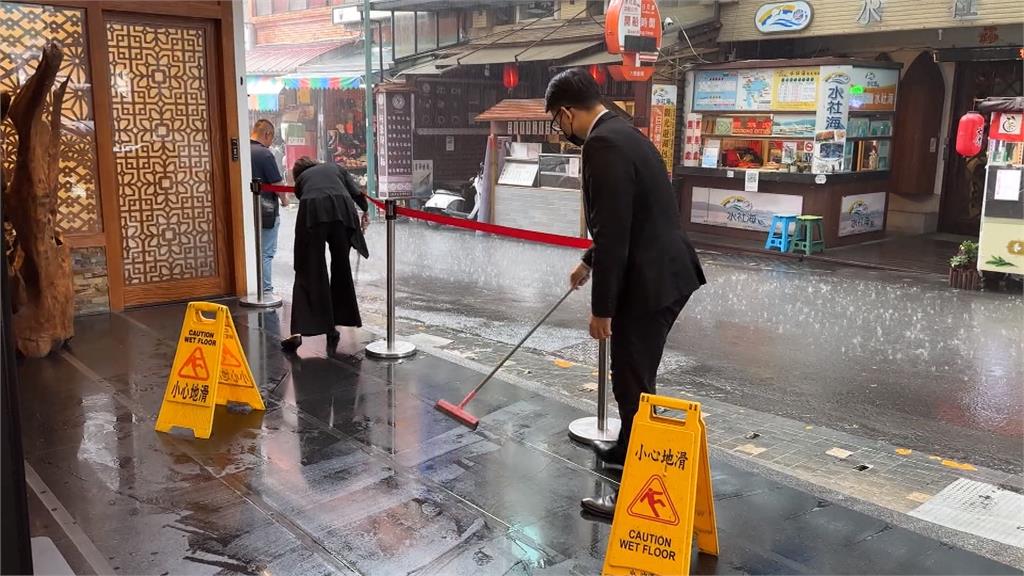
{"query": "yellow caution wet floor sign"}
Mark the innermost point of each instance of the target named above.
(209, 368)
(665, 498)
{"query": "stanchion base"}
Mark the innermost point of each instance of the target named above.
(585, 430)
(254, 301)
(381, 350)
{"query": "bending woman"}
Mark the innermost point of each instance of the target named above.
(328, 197)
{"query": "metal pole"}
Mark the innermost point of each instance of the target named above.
(589, 428)
(390, 348)
(260, 300)
(371, 143)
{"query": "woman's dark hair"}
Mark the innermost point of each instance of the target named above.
(572, 88)
(301, 165)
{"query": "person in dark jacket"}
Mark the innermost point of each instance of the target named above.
(328, 200)
(644, 267)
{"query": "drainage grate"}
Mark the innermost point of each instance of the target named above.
(977, 508)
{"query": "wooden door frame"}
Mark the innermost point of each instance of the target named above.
(223, 94)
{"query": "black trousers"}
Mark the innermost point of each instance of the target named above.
(321, 301)
(638, 342)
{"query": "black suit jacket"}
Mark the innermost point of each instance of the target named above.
(641, 256)
(328, 193)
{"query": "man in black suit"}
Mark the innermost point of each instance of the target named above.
(644, 267)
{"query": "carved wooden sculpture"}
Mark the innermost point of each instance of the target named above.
(42, 290)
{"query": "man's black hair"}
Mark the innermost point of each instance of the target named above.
(301, 165)
(572, 88)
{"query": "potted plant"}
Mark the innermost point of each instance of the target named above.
(963, 268)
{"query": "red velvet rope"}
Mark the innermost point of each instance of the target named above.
(518, 233)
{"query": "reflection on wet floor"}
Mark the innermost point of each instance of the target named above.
(351, 470)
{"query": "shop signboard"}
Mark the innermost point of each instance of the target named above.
(862, 213)
(1007, 126)
(779, 17)
(691, 149)
(830, 123)
(754, 89)
(874, 89)
(751, 126)
(795, 89)
(743, 210)
(633, 29)
(663, 121)
(394, 145)
(714, 90)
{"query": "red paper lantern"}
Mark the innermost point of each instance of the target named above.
(598, 74)
(510, 76)
(969, 134)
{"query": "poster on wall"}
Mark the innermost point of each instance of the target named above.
(862, 213)
(692, 143)
(830, 122)
(793, 125)
(663, 121)
(422, 177)
(874, 89)
(754, 89)
(394, 145)
(714, 90)
(795, 89)
(744, 210)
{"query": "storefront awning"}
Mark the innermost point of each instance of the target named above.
(595, 58)
(324, 81)
(274, 59)
(503, 54)
(514, 109)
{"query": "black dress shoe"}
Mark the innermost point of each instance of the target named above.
(603, 506)
(610, 452)
(291, 343)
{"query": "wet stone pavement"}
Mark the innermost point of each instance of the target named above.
(351, 471)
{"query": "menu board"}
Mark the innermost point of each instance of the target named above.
(714, 90)
(830, 124)
(394, 145)
(795, 89)
(754, 89)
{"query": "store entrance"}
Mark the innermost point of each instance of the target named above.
(964, 181)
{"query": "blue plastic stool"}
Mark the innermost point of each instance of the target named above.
(782, 240)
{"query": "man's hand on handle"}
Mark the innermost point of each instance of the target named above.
(600, 328)
(579, 276)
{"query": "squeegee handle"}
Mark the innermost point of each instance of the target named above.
(513, 351)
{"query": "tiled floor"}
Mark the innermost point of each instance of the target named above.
(351, 470)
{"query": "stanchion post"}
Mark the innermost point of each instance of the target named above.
(590, 428)
(260, 300)
(390, 348)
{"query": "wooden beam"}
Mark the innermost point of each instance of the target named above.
(90, 240)
(106, 166)
(236, 188)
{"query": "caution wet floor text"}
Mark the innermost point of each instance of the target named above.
(665, 498)
(209, 368)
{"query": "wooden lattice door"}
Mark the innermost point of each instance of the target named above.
(169, 159)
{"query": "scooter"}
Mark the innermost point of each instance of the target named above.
(449, 203)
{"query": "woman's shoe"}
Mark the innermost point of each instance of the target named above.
(292, 343)
(333, 337)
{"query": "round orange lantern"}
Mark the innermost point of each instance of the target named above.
(510, 76)
(969, 134)
(598, 74)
